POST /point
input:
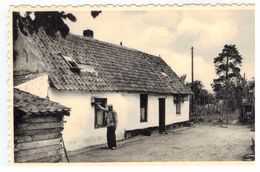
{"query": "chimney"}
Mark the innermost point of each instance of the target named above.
(88, 33)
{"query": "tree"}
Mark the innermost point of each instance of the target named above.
(31, 22)
(94, 14)
(227, 65)
(228, 86)
(201, 95)
(249, 90)
(50, 21)
(183, 78)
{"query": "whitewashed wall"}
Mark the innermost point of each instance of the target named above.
(37, 86)
(170, 111)
(79, 130)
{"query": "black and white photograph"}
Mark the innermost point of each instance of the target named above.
(163, 84)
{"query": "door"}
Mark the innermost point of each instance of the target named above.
(161, 115)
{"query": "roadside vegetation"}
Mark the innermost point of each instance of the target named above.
(233, 96)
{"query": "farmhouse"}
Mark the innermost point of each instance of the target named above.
(78, 71)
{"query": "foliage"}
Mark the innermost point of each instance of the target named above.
(201, 95)
(229, 84)
(249, 90)
(51, 22)
(94, 14)
(183, 78)
(227, 65)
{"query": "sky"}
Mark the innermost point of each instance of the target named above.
(171, 33)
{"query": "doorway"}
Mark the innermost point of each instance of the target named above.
(161, 115)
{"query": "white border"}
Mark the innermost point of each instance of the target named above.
(4, 77)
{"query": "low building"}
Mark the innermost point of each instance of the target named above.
(38, 126)
(78, 71)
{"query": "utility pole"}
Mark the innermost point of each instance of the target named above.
(192, 80)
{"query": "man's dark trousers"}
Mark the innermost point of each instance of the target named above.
(111, 137)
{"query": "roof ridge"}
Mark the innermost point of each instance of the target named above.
(119, 68)
(111, 44)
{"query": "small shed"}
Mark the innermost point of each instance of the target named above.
(248, 112)
(38, 126)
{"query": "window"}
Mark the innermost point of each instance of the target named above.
(143, 107)
(178, 100)
(71, 63)
(99, 114)
(178, 108)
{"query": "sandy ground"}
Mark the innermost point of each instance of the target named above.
(197, 143)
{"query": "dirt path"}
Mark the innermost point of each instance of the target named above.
(198, 143)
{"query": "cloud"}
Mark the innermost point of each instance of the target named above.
(181, 64)
(153, 37)
(146, 31)
(172, 33)
(208, 35)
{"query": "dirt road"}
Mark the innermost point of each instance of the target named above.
(198, 143)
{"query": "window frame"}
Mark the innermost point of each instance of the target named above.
(145, 106)
(178, 100)
(96, 110)
(178, 110)
(71, 62)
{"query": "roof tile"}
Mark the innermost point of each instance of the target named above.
(117, 68)
(34, 105)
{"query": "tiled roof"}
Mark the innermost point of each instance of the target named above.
(34, 105)
(117, 68)
(23, 76)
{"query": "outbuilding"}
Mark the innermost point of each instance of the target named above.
(38, 126)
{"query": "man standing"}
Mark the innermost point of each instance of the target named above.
(111, 120)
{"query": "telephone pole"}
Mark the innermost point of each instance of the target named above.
(192, 80)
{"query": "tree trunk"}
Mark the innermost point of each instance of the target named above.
(227, 68)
